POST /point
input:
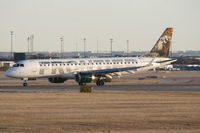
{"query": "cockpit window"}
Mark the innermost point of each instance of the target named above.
(15, 65)
(18, 65)
(21, 65)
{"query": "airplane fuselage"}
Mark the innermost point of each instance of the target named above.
(66, 68)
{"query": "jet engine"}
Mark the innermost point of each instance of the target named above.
(56, 80)
(89, 77)
(84, 77)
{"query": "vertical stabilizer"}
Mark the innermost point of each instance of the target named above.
(162, 46)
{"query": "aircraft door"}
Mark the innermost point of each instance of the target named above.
(33, 67)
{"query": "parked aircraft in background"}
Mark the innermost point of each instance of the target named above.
(98, 70)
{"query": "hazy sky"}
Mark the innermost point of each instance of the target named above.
(139, 21)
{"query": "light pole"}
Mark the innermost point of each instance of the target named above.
(111, 41)
(28, 39)
(84, 40)
(127, 41)
(97, 47)
(11, 43)
(76, 47)
(31, 39)
(61, 46)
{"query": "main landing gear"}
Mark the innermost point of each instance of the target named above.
(100, 82)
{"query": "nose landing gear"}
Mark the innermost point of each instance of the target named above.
(25, 82)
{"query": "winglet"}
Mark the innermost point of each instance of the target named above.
(162, 46)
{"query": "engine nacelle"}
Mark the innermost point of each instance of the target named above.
(84, 77)
(89, 77)
(56, 80)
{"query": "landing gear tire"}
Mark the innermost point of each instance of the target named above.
(82, 84)
(100, 83)
(25, 84)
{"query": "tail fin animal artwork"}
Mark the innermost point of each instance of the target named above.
(162, 46)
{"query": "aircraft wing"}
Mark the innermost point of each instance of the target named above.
(114, 70)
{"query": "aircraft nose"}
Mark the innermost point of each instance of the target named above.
(9, 73)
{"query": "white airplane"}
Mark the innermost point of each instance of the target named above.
(87, 70)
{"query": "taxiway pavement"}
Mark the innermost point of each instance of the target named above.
(177, 81)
